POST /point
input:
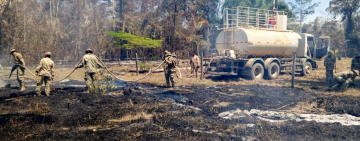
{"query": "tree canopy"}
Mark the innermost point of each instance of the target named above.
(302, 9)
(130, 41)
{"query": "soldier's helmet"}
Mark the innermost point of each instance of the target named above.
(48, 53)
(330, 53)
(357, 72)
(12, 50)
(88, 50)
(173, 54)
(168, 54)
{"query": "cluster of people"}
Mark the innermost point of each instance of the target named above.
(170, 67)
(342, 80)
(45, 70)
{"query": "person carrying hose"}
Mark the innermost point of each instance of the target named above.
(91, 64)
(170, 68)
(45, 73)
(19, 67)
(355, 63)
(343, 79)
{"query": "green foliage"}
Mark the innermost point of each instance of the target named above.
(303, 8)
(144, 66)
(154, 57)
(347, 10)
(130, 41)
(262, 4)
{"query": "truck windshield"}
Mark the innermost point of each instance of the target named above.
(323, 43)
(310, 42)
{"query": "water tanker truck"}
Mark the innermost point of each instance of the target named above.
(255, 43)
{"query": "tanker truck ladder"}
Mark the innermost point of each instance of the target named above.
(246, 17)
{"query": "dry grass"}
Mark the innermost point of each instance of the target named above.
(60, 73)
(132, 117)
(315, 80)
(306, 107)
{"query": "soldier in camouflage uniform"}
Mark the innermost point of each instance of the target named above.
(329, 64)
(45, 73)
(91, 64)
(20, 67)
(355, 62)
(169, 69)
(343, 79)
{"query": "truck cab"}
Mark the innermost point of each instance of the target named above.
(322, 48)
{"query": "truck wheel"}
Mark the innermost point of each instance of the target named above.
(257, 71)
(306, 69)
(273, 71)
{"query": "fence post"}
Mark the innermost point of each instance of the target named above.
(202, 72)
(137, 65)
(127, 55)
(293, 71)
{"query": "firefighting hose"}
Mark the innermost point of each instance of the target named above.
(150, 72)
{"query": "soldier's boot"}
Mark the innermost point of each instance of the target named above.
(22, 86)
(86, 91)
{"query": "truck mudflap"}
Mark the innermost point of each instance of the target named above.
(313, 64)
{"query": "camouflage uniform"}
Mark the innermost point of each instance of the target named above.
(91, 64)
(45, 73)
(329, 64)
(342, 80)
(355, 62)
(19, 60)
(195, 65)
(169, 69)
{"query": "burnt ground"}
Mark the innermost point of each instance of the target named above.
(154, 113)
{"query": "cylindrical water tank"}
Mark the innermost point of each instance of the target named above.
(257, 42)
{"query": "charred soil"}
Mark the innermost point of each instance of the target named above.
(185, 113)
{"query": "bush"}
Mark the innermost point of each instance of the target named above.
(154, 57)
(144, 66)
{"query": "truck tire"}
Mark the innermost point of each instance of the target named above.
(257, 71)
(273, 71)
(307, 67)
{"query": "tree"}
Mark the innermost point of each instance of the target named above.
(346, 9)
(262, 4)
(302, 9)
(138, 43)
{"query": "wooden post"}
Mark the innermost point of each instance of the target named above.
(293, 71)
(201, 66)
(127, 55)
(136, 63)
(335, 59)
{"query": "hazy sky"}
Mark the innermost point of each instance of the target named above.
(319, 11)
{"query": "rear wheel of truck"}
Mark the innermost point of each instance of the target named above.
(257, 71)
(273, 71)
(307, 67)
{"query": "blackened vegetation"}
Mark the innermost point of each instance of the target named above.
(148, 113)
